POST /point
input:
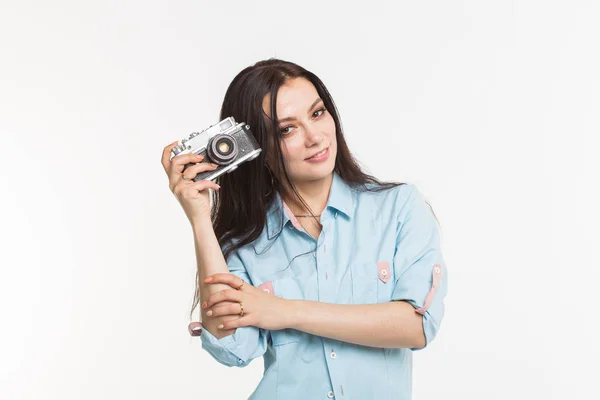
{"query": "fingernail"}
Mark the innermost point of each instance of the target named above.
(218, 187)
(209, 313)
(198, 156)
(209, 279)
(220, 326)
(204, 305)
(214, 165)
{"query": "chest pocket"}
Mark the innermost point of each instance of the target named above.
(289, 289)
(372, 282)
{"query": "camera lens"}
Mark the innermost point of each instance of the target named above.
(222, 149)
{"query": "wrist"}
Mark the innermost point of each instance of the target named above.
(293, 313)
(201, 222)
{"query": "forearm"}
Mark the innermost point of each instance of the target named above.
(210, 260)
(389, 325)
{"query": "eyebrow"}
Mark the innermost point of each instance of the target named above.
(310, 108)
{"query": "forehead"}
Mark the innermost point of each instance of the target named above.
(293, 98)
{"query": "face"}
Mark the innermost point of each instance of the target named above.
(306, 128)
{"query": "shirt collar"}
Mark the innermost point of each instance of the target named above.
(341, 198)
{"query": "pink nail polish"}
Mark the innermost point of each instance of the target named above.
(204, 305)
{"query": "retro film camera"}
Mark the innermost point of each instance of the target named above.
(227, 144)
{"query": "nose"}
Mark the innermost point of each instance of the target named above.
(313, 136)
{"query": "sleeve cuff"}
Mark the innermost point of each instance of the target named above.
(229, 350)
(430, 327)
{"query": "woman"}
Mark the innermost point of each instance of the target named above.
(331, 275)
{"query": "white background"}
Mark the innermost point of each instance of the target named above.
(489, 107)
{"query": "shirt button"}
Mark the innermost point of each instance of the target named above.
(333, 355)
(330, 395)
(315, 254)
(384, 272)
(437, 270)
(266, 290)
(291, 226)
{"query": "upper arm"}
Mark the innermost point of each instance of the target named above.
(420, 270)
(236, 266)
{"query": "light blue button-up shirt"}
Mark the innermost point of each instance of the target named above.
(374, 247)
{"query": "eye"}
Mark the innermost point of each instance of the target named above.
(319, 112)
(286, 130)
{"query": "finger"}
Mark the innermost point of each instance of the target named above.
(227, 309)
(218, 275)
(236, 323)
(192, 190)
(229, 279)
(193, 170)
(185, 192)
(228, 294)
(178, 163)
(178, 183)
(166, 155)
(221, 304)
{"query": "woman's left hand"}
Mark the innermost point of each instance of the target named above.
(261, 309)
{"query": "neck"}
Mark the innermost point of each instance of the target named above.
(315, 194)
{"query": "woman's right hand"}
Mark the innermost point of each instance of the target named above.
(193, 196)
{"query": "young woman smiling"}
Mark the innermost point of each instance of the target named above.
(331, 275)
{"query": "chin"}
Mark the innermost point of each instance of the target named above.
(307, 173)
(315, 176)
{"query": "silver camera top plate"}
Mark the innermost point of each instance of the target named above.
(197, 141)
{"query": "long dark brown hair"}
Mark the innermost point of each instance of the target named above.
(239, 210)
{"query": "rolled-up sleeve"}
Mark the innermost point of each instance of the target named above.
(247, 343)
(420, 270)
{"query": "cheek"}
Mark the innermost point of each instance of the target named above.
(329, 127)
(292, 151)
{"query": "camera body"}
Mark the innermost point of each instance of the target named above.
(227, 144)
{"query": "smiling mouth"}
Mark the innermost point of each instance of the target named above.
(319, 154)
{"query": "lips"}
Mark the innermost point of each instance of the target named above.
(319, 153)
